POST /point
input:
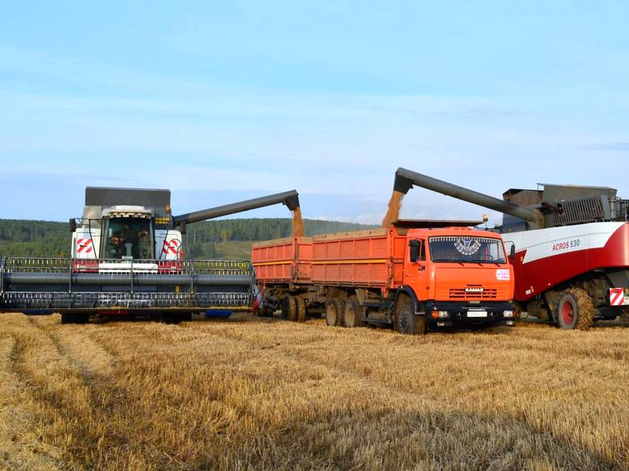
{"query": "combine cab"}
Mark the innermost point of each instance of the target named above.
(569, 247)
(128, 258)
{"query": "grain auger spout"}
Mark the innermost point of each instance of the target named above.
(288, 198)
(405, 179)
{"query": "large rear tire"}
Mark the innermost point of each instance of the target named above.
(575, 310)
(353, 313)
(406, 322)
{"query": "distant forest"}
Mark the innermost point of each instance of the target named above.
(210, 239)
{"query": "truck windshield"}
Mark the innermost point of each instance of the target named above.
(466, 250)
(128, 238)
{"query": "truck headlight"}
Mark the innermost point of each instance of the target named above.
(507, 313)
(443, 314)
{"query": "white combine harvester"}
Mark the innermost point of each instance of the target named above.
(128, 259)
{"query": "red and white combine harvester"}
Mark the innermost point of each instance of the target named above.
(569, 246)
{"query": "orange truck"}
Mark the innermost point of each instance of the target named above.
(413, 275)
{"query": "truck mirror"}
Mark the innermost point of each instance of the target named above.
(511, 249)
(72, 225)
(414, 246)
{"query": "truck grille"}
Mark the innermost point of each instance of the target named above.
(473, 292)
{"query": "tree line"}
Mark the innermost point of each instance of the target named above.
(22, 238)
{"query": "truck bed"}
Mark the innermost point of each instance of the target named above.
(285, 260)
(371, 258)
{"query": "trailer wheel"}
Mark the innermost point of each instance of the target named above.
(406, 322)
(300, 303)
(334, 312)
(265, 312)
(289, 308)
(352, 313)
(575, 309)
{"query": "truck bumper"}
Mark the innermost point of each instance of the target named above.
(453, 314)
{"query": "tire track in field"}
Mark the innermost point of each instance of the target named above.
(75, 343)
(67, 392)
(21, 444)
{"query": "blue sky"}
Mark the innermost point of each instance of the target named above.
(220, 101)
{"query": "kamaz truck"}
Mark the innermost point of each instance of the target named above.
(412, 275)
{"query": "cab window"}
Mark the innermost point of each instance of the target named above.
(417, 252)
(128, 238)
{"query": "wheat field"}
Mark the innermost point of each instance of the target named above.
(248, 393)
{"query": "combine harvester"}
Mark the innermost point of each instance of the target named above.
(412, 275)
(569, 246)
(127, 259)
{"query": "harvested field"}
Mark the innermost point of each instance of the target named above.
(248, 393)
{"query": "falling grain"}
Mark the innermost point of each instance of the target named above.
(298, 223)
(393, 213)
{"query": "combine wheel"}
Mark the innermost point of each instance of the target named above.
(300, 302)
(406, 322)
(353, 313)
(171, 318)
(186, 316)
(575, 309)
(74, 318)
(334, 312)
(289, 308)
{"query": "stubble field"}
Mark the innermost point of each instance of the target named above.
(249, 393)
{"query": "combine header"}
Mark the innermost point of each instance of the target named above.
(569, 246)
(128, 258)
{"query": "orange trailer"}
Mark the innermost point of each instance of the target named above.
(413, 275)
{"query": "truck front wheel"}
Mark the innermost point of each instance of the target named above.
(575, 309)
(406, 322)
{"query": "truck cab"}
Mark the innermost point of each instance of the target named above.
(458, 275)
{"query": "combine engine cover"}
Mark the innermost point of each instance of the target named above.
(547, 257)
